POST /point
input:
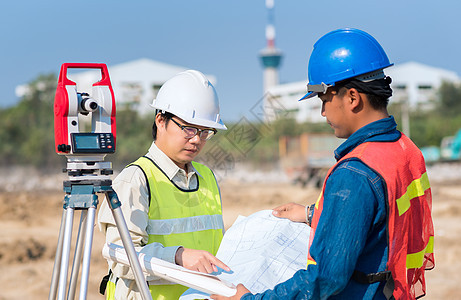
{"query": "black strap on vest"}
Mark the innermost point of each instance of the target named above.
(361, 277)
(385, 276)
(104, 281)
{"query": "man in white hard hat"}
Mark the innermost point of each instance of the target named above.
(172, 205)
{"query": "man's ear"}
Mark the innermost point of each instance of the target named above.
(355, 99)
(160, 120)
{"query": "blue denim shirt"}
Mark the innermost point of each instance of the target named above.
(351, 233)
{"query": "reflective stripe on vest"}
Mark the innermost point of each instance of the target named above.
(416, 260)
(184, 225)
(410, 228)
(416, 189)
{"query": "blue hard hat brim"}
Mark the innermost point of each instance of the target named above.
(308, 95)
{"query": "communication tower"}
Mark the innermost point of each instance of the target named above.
(271, 58)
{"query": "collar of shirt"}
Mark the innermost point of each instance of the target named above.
(171, 170)
(384, 130)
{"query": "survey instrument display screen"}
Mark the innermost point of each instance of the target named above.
(86, 142)
(92, 143)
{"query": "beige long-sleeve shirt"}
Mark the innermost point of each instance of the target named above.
(132, 190)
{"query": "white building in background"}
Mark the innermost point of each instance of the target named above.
(285, 97)
(135, 83)
(412, 81)
(417, 83)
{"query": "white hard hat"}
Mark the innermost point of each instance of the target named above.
(190, 96)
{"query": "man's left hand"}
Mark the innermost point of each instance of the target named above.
(241, 290)
(292, 211)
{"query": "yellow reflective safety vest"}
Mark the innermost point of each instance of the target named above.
(190, 218)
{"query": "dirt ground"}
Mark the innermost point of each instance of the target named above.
(30, 221)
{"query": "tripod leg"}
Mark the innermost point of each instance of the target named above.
(65, 253)
(87, 252)
(57, 259)
(114, 204)
(78, 255)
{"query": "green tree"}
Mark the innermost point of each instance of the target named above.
(27, 128)
(134, 136)
(449, 104)
(429, 127)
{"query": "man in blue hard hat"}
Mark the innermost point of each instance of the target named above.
(372, 233)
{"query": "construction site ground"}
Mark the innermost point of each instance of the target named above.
(30, 220)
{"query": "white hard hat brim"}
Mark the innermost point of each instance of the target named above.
(195, 120)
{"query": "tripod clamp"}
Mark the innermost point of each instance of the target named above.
(81, 194)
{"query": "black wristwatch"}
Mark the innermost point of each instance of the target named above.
(310, 214)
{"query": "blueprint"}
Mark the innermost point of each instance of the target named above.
(261, 251)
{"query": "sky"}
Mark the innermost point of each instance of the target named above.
(217, 37)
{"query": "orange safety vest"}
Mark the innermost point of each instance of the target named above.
(410, 228)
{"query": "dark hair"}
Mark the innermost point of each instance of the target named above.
(166, 115)
(378, 91)
(378, 102)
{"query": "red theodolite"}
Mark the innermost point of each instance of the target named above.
(69, 104)
(88, 175)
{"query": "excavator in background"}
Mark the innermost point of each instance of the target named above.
(448, 151)
(306, 158)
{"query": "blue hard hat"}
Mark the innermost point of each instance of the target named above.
(343, 54)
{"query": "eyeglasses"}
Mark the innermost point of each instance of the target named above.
(190, 131)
